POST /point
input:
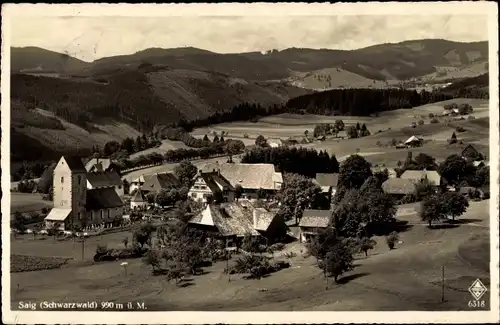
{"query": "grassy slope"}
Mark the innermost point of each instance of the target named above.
(163, 96)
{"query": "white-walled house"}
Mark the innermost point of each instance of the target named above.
(74, 204)
(251, 177)
(138, 200)
(209, 184)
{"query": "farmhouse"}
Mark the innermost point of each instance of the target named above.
(275, 143)
(327, 182)
(312, 222)
(137, 183)
(107, 179)
(101, 165)
(399, 187)
(431, 176)
(158, 182)
(253, 178)
(74, 204)
(138, 200)
(211, 184)
(232, 221)
(414, 141)
(471, 153)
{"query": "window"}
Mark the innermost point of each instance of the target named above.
(91, 215)
(102, 214)
(62, 180)
(79, 216)
(193, 195)
(108, 213)
(79, 179)
(119, 187)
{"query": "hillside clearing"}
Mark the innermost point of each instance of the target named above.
(27, 202)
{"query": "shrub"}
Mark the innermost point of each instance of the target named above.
(392, 239)
(434, 121)
(471, 117)
(420, 122)
(245, 136)
(431, 115)
(460, 129)
(24, 263)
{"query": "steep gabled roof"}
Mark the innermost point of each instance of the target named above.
(101, 179)
(327, 179)
(98, 164)
(138, 197)
(315, 218)
(74, 163)
(102, 198)
(248, 176)
(158, 182)
(399, 186)
(215, 181)
(413, 138)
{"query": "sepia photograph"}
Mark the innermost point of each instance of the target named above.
(250, 158)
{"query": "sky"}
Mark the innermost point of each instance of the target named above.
(90, 38)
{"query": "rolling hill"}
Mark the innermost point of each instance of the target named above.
(62, 114)
(63, 103)
(399, 61)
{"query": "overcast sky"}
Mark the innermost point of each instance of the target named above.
(90, 38)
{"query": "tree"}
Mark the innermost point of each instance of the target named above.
(358, 127)
(205, 138)
(19, 222)
(111, 147)
(392, 239)
(125, 242)
(152, 259)
(453, 169)
(423, 161)
(354, 171)
(296, 194)
(338, 260)
(339, 125)
(128, 145)
(381, 176)
(454, 204)
(423, 189)
(367, 244)
(453, 138)
(306, 133)
(142, 235)
(260, 141)
(363, 132)
(46, 180)
(431, 209)
(481, 177)
(322, 243)
(334, 164)
(186, 172)
(352, 133)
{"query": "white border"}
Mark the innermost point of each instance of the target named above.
(488, 9)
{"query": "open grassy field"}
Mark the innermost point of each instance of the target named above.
(27, 202)
(407, 278)
(165, 146)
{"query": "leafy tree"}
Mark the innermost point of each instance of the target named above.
(352, 133)
(431, 209)
(111, 147)
(128, 145)
(423, 189)
(354, 171)
(453, 169)
(142, 235)
(454, 204)
(153, 259)
(250, 244)
(381, 176)
(306, 133)
(261, 141)
(423, 161)
(367, 244)
(167, 197)
(338, 260)
(481, 177)
(339, 125)
(185, 172)
(296, 194)
(19, 222)
(392, 239)
(322, 243)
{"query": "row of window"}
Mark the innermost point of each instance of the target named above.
(200, 187)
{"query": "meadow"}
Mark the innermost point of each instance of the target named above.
(406, 278)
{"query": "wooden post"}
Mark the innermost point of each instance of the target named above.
(83, 246)
(442, 283)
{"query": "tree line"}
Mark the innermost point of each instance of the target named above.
(303, 161)
(361, 102)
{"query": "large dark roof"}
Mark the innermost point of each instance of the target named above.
(103, 179)
(327, 179)
(158, 182)
(214, 178)
(102, 198)
(74, 163)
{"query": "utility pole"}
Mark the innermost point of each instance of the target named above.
(442, 283)
(83, 246)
